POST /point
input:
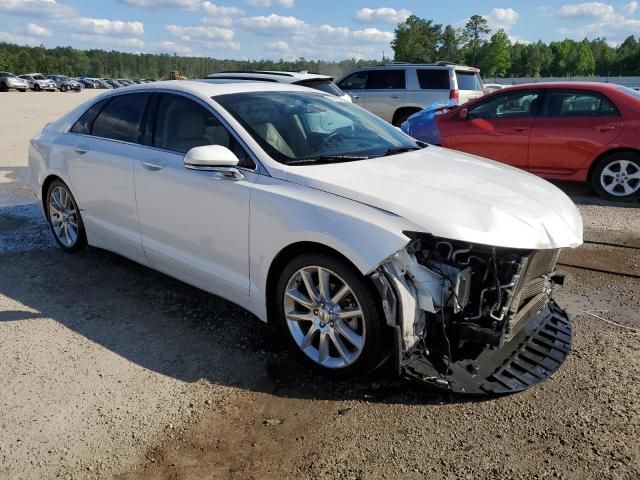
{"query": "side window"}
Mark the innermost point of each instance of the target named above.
(120, 119)
(85, 122)
(468, 80)
(386, 80)
(182, 124)
(432, 79)
(579, 104)
(511, 105)
(355, 81)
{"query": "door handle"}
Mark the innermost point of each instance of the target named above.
(152, 165)
(521, 129)
(604, 128)
(81, 149)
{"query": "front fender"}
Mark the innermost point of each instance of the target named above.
(284, 213)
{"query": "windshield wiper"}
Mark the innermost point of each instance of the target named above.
(328, 159)
(397, 150)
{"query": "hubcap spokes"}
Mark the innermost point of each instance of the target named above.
(621, 178)
(324, 317)
(63, 216)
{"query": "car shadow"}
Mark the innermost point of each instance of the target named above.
(583, 194)
(166, 326)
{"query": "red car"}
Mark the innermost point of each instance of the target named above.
(578, 131)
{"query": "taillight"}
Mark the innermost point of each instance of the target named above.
(454, 95)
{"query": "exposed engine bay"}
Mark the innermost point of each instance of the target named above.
(463, 311)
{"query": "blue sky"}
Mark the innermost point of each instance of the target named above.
(314, 29)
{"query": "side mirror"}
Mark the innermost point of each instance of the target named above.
(213, 158)
(464, 114)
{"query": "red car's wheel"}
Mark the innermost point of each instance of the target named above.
(617, 176)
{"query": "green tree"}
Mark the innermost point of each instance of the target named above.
(450, 45)
(475, 28)
(498, 56)
(585, 63)
(416, 40)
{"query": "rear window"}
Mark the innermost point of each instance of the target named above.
(468, 80)
(433, 79)
(85, 122)
(355, 81)
(323, 85)
(386, 80)
(120, 119)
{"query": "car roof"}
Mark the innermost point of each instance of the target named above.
(276, 76)
(436, 66)
(565, 85)
(209, 88)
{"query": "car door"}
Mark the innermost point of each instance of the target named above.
(355, 85)
(497, 128)
(100, 153)
(195, 224)
(385, 91)
(573, 129)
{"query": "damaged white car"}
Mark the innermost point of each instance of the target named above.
(364, 245)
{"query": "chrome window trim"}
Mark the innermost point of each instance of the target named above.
(259, 169)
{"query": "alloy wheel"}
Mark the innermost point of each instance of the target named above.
(63, 215)
(324, 317)
(621, 178)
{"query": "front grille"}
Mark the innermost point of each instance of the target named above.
(533, 290)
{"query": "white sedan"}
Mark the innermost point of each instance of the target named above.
(364, 245)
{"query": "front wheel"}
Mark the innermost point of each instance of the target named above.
(617, 176)
(331, 315)
(37, 87)
(64, 218)
(63, 88)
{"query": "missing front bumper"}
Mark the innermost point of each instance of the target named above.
(534, 354)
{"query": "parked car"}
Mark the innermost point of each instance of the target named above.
(9, 81)
(87, 82)
(324, 83)
(65, 83)
(114, 83)
(103, 84)
(39, 82)
(492, 87)
(396, 91)
(576, 131)
(328, 221)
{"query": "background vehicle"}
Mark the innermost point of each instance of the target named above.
(9, 81)
(65, 83)
(38, 82)
(492, 87)
(114, 83)
(87, 82)
(104, 84)
(577, 131)
(373, 258)
(396, 91)
(323, 83)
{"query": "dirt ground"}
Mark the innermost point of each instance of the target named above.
(109, 369)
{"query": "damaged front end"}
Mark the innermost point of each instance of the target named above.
(474, 318)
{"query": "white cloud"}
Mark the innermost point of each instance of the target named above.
(162, 3)
(18, 39)
(36, 8)
(207, 36)
(271, 3)
(102, 26)
(277, 46)
(372, 35)
(502, 18)
(211, 9)
(631, 7)
(37, 31)
(274, 25)
(171, 47)
(594, 10)
(382, 15)
(136, 43)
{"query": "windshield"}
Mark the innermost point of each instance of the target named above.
(39, 77)
(297, 128)
(326, 86)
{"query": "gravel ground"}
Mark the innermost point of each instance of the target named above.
(112, 370)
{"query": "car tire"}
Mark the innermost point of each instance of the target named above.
(37, 88)
(401, 116)
(64, 218)
(22, 89)
(63, 88)
(616, 176)
(327, 331)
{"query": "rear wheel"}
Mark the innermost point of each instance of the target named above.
(401, 116)
(37, 87)
(63, 88)
(64, 218)
(331, 315)
(617, 176)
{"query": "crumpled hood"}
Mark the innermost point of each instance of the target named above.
(454, 195)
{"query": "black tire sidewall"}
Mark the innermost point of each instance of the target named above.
(600, 166)
(81, 242)
(373, 351)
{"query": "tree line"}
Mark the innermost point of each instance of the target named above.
(415, 40)
(421, 40)
(112, 64)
